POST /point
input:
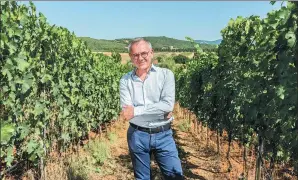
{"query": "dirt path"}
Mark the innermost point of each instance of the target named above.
(198, 160)
(198, 155)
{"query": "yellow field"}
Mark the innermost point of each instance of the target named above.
(125, 57)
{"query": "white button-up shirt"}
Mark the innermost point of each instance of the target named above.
(152, 98)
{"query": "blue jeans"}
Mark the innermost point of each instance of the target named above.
(162, 145)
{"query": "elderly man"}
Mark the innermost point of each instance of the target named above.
(147, 96)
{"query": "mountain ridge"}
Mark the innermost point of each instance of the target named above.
(159, 43)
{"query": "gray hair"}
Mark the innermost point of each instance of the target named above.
(136, 40)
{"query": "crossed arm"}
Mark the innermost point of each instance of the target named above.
(164, 106)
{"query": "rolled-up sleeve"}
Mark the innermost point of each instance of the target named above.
(125, 97)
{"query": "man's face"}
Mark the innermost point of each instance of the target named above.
(141, 55)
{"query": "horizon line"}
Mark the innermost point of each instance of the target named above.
(145, 37)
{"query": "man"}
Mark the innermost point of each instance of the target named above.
(147, 96)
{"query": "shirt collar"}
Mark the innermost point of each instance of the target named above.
(152, 69)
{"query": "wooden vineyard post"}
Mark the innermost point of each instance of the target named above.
(218, 143)
(207, 137)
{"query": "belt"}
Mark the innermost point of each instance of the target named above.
(152, 130)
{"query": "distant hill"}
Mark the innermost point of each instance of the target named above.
(104, 45)
(216, 42)
(160, 43)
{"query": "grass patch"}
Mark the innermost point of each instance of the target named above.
(77, 169)
(184, 126)
(112, 137)
(80, 166)
(99, 150)
(95, 154)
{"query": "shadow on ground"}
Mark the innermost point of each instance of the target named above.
(186, 166)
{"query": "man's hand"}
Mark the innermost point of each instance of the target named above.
(128, 112)
(169, 115)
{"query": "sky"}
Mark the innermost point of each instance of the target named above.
(175, 19)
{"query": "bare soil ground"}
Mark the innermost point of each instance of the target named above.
(198, 155)
(199, 161)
